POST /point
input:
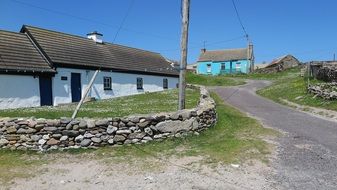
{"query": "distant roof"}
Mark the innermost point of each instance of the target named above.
(278, 60)
(17, 53)
(70, 50)
(224, 55)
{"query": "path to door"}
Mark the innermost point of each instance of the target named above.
(307, 155)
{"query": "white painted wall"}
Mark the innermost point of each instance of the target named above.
(123, 84)
(19, 91)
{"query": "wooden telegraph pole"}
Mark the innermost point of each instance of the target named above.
(183, 43)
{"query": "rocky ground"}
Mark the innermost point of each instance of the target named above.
(172, 173)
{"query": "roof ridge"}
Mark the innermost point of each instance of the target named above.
(78, 36)
(8, 31)
(227, 49)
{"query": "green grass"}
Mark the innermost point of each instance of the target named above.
(147, 103)
(295, 90)
(235, 138)
(289, 73)
(207, 80)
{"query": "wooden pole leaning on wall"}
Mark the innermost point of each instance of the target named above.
(183, 62)
(85, 94)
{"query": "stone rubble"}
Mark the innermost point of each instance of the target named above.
(64, 133)
(327, 91)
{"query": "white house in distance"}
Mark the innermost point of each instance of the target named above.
(42, 67)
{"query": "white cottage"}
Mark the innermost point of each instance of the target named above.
(42, 67)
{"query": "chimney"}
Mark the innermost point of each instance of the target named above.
(203, 50)
(97, 37)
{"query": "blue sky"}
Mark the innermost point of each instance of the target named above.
(304, 28)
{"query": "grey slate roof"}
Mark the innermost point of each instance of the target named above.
(224, 55)
(75, 51)
(17, 53)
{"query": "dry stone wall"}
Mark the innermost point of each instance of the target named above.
(64, 133)
(327, 91)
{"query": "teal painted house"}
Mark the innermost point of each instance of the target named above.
(230, 61)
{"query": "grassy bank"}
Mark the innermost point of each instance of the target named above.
(290, 73)
(156, 102)
(207, 80)
(234, 139)
(295, 90)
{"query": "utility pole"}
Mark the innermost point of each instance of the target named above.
(183, 43)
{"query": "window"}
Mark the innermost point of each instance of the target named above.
(223, 66)
(64, 78)
(238, 66)
(139, 83)
(165, 83)
(107, 83)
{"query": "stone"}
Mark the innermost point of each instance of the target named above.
(119, 132)
(142, 120)
(135, 140)
(115, 123)
(121, 124)
(69, 127)
(175, 126)
(119, 138)
(102, 122)
(130, 124)
(137, 135)
(134, 119)
(148, 131)
(32, 123)
(148, 138)
(30, 130)
(143, 124)
(65, 121)
(85, 142)
(52, 142)
(91, 124)
(3, 142)
(88, 135)
(111, 141)
(185, 114)
(57, 136)
(24, 138)
(111, 129)
(50, 129)
(45, 137)
(11, 130)
(42, 142)
(96, 140)
(39, 127)
(79, 138)
(159, 136)
(70, 133)
(75, 122)
(98, 135)
(104, 137)
(23, 122)
(35, 137)
(21, 131)
(127, 141)
(82, 124)
(76, 127)
(175, 116)
(64, 138)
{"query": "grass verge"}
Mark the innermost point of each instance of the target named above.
(234, 139)
(294, 90)
(147, 103)
(207, 80)
(289, 73)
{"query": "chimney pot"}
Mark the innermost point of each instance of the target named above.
(203, 50)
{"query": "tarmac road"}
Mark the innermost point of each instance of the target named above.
(307, 153)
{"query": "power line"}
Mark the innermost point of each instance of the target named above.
(239, 19)
(93, 21)
(123, 21)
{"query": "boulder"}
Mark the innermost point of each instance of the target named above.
(3, 142)
(52, 142)
(175, 126)
(85, 142)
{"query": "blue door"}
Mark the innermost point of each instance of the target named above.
(46, 96)
(76, 87)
